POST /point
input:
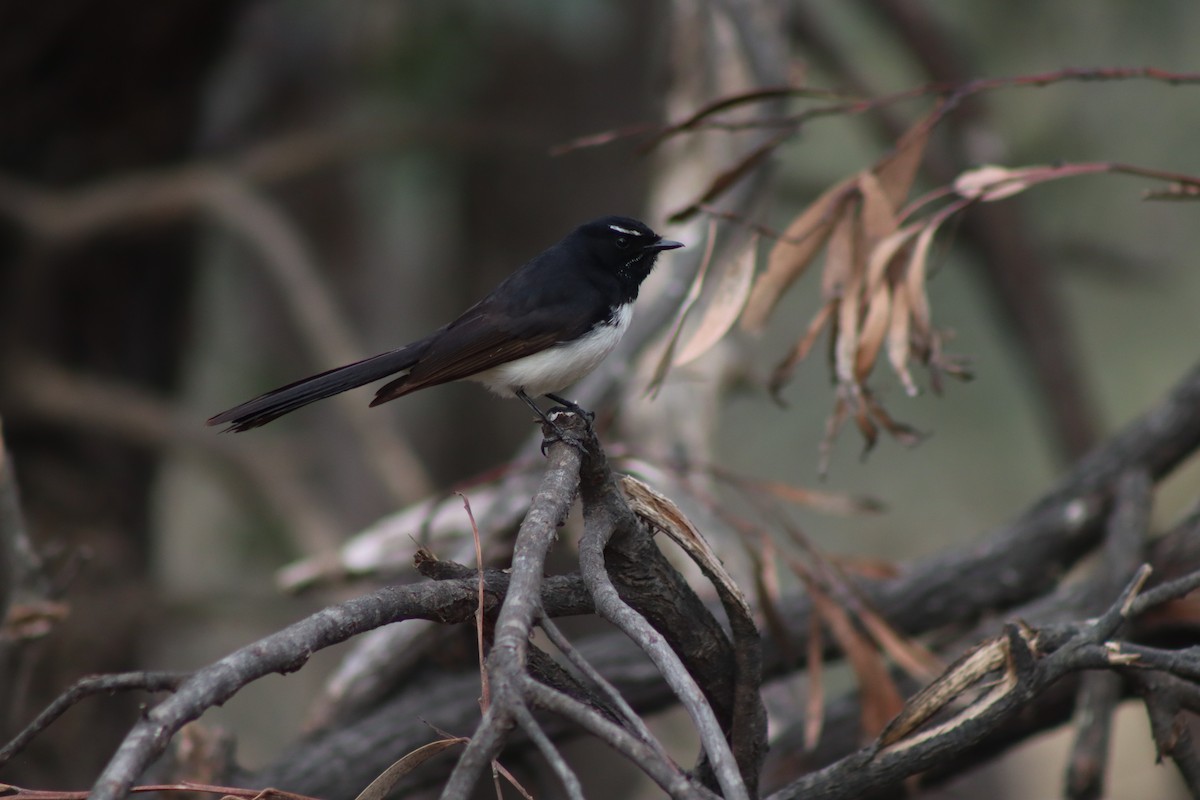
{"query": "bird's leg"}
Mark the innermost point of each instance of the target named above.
(575, 407)
(559, 434)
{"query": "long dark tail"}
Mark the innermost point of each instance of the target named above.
(286, 399)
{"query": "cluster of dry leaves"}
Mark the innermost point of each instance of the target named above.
(872, 288)
(877, 247)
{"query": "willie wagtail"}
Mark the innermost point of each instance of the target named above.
(543, 328)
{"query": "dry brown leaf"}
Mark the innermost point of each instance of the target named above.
(841, 263)
(814, 712)
(914, 278)
(990, 182)
(833, 426)
(863, 421)
(1176, 191)
(725, 304)
(878, 215)
(379, 788)
(877, 569)
(783, 371)
(792, 254)
(898, 343)
(905, 434)
(839, 258)
(885, 251)
(887, 312)
(897, 171)
(33, 620)
(874, 329)
(769, 592)
(662, 513)
(845, 346)
(724, 180)
(827, 502)
(880, 698)
(685, 308)
(497, 767)
(911, 656)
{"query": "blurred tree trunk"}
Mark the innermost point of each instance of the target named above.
(91, 90)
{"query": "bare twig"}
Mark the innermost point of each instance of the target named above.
(1099, 692)
(284, 651)
(566, 776)
(223, 190)
(1166, 697)
(1030, 664)
(507, 660)
(648, 758)
(24, 587)
(17, 793)
(956, 90)
(600, 526)
(86, 687)
(608, 691)
(485, 696)
(165, 195)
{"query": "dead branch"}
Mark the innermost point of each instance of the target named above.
(1029, 661)
(516, 601)
(1001, 570)
(282, 652)
(607, 518)
(1099, 692)
(510, 648)
(84, 688)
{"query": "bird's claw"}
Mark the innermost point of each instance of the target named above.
(557, 434)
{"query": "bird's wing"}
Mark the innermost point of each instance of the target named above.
(482, 338)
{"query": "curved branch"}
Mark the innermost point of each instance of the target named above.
(1029, 663)
(610, 606)
(522, 604)
(282, 652)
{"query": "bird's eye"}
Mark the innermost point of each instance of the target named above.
(622, 243)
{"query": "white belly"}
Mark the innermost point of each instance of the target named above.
(556, 368)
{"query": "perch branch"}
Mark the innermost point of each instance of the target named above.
(522, 604)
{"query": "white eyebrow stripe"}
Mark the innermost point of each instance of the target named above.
(625, 231)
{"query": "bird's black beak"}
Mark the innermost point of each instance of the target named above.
(663, 244)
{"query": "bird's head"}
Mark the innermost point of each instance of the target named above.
(622, 246)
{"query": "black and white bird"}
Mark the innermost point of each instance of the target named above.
(543, 328)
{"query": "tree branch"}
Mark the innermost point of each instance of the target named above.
(1099, 692)
(607, 517)
(1013, 565)
(507, 660)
